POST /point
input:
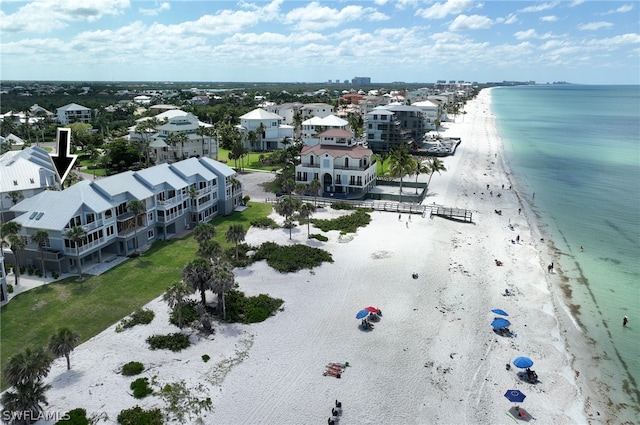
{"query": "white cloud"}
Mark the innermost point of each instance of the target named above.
(510, 19)
(159, 8)
(531, 33)
(450, 7)
(622, 9)
(473, 22)
(523, 35)
(592, 26)
(315, 16)
(549, 18)
(47, 15)
(540, 7)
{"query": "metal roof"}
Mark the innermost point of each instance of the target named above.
(53, 209)
(161, 174)
(122, 183)
(192, 167)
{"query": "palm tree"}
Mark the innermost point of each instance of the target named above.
(77, 235)
(63, 343)
(174, 296)
(306, 210)
(209, 249)
(31, 365)
(260, 130)
(286, 207)
(17, 244)
(204, 232)
(26, 401)
(15, 196)
(199, 275)
(41, 237)
(144, 128)
(173, 139)
(315, 186)
(6, 229)
(401, 164)
(253, 139)
(421, 168)
(193, 194)
(223, 280)
(137, 208)
(235, 234)
(435, 165)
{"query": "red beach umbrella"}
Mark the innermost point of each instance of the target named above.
(372, 309)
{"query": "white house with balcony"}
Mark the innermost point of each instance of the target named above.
(314, 126)
(166, 146)
(344, 168)
(269, 129)
(316, 110)
(431, 112)
(176, 197)
(73, 112)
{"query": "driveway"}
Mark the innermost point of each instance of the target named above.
(252, 184)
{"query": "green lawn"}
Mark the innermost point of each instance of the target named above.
(91, 306)
(252, 160)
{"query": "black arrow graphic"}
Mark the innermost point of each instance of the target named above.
(63, 160)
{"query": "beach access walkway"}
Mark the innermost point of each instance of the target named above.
(458, 214)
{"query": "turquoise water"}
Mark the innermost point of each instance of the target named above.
(578, 149)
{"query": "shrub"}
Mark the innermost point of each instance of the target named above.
(55, 275)
(22, 269)
(75, 417)
(30, 271)
(264, 223)
(137, 416)
(342, 205)
(189, 313)
(141, 388)
(243, 309)
(345, 224)
(205, 358)
(173, 342)
(10, 289)
(319, 237)
(132, 368)
(291, 258)
(138, 317)
(39, 273)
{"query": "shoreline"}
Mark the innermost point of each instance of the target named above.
(432, 358)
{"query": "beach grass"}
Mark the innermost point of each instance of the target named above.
(90, 306)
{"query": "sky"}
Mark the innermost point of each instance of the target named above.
(414, 41)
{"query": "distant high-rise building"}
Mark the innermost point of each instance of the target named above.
(361, 81)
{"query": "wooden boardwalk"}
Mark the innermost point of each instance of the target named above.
(396, 207)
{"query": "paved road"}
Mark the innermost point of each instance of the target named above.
(252, 184)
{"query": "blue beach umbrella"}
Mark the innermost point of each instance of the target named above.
(499, 311)
(362, 314)
(523, 362)
(515, 396)
(500, 323)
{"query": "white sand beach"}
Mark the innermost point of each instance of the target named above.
(433, 358)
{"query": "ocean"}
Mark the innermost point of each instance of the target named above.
(575, 152)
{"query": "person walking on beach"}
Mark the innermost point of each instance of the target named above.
(519, 211)
(625, 320)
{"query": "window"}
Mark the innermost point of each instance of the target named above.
(75, 221)
(150, 216)
(108, 214)
(90, 217)
(150, 234)
(109, 231)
